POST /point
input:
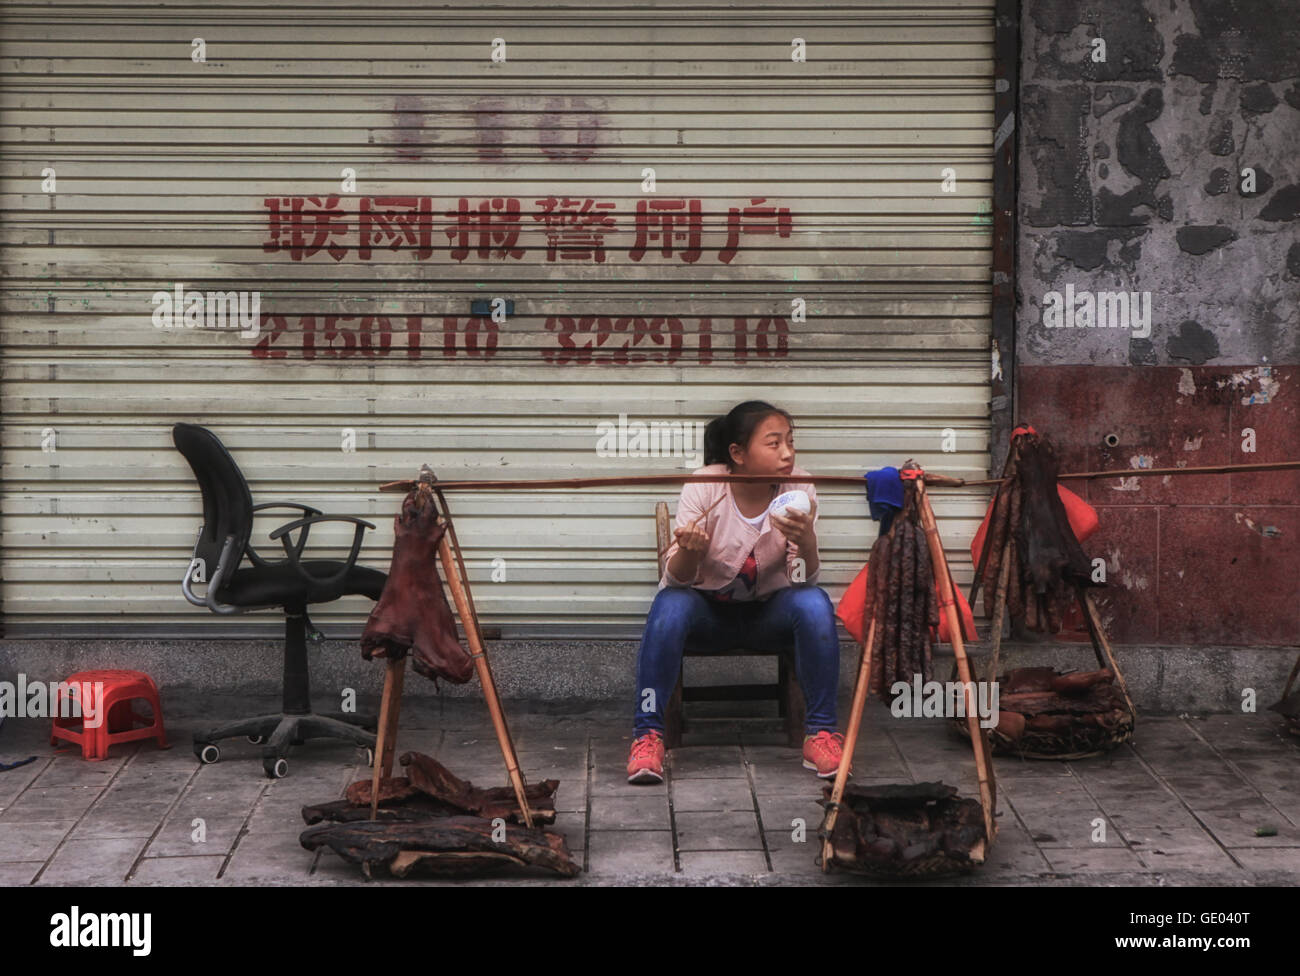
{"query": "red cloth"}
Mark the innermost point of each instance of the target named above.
(852, 611)
(1083, 520)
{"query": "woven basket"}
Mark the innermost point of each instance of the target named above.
(1082, 740)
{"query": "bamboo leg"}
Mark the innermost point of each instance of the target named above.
(398, 675)
(1008, 468)
(1093, 627)
(470, 623)
(1099, 635)
(390, 705)
(979, 741)
(1290, 680)
(473, 610)
(999, 610)
(850, 741)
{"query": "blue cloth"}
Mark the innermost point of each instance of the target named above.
(884, 495)
(798, 615)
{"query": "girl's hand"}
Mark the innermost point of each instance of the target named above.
(692, 539)
(797, 527)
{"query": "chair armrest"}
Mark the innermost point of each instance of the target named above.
(254, 556)
(282, 533)
(209, 600)
(307, 509)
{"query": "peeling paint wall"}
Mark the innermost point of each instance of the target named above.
(1158, 297)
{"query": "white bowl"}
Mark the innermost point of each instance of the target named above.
(796, 501)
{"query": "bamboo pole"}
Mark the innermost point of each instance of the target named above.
(1099, 634)
(398, 674)
(1290, 679)
(854, 481)
(999, 610)
(469, 621)
(850, 741)
(390, 705)
(979, 741)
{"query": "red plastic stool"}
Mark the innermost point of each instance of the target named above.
(118, 719)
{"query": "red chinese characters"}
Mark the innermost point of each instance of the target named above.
(575, 229)
(753, 220)
(490, 229)
(395, 223)
(667, 222)
(293, 218)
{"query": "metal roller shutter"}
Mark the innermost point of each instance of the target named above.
(476, 179)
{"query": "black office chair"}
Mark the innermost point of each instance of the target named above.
(291, 583)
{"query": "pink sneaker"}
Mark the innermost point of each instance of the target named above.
(646, 762)
(822, 753)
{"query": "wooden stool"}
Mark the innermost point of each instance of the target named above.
(786, 692)
(111, 694)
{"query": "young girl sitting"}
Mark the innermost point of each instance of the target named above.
(741, 576)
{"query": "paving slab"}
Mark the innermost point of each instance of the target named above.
(1096, 860)
(690, 795)
(101, 861)
(53, 803)
(707, 762)
(646, 812)
(631, 852)
(34, 840)
(75, 771)
(198, 869)
(717, 831)
(17, 873)
(723, 862)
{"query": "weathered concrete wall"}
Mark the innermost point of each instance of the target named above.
(1170, 171)
(236, 677)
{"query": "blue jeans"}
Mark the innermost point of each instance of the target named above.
(802, 616)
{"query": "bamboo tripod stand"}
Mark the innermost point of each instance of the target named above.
(979, 738)
(453, 567)
(1096, 632)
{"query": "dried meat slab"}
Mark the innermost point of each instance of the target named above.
(445, 846)
(431, 790)
(907, 830)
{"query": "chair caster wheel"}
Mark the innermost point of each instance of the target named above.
(208, 754)
(276, 768)
(257, 740)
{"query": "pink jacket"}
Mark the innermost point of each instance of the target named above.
(731, 538)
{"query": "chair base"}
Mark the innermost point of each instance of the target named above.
(278, 732)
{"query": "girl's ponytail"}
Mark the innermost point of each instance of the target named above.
(716, 441)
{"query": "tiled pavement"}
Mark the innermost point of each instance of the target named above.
(1182, 804)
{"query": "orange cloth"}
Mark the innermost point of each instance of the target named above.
(852, 611)
(1082, 516)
